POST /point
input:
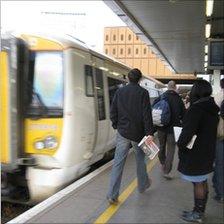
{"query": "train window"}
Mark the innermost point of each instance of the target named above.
(89, 80)
(100, 94)
(47, 82)
(113, 85)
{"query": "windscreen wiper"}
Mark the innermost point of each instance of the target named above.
(44, 109)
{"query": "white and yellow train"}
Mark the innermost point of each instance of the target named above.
(55, 102)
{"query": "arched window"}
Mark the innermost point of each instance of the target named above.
(136, 51)
(122, 37)
(114, 51)
(107, 37)
(114, 37)
(129, 37)
(137, 37)
(121, 51)
(129, 50)
(145, 51)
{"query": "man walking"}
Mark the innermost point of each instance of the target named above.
(166, 134)
(131, 116)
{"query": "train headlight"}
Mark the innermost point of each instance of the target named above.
(50, 142)
(39, 145)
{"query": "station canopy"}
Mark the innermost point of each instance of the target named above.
(174, 29)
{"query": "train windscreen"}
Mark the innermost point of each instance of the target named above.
(47, 83)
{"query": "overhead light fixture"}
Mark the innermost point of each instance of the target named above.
(116, 73)
(104, 69)
(207, 30)
(209, 7)
(206, 49)
(206, 57)
(206, 64)
(206, 69)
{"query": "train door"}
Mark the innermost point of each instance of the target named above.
(101, 96)
(113, 85)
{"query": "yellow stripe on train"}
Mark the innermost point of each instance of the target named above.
(4, 108)
(38, 132)
(38, 43)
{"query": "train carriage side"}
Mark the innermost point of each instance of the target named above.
(78, 129)
(66, 118)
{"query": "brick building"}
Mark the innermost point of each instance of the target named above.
(122, 44)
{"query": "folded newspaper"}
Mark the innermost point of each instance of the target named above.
(149, 148)
(177, 132)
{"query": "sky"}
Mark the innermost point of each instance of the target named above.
(82, 19)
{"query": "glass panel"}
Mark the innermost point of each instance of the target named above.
(100, 94)
(89, 80)
(48, 80)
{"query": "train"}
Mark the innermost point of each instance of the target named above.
(55, 97)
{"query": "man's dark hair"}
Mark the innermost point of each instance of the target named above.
(222, 83)
(134, 75)
(200, 89)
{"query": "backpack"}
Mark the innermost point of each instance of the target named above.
(161, 114)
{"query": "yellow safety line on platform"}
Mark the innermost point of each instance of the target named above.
(111, 210)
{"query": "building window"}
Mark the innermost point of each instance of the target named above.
(129, 37)
(145, 50)
(129, 50)
(122, 37)
(121, 51)
(136, 51)
(114, 51)
(107, 37)
(114, 37)
(137, 38)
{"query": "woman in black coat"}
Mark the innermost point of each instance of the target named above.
(196, 163)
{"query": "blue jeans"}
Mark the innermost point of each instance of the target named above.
(219, 169)
(121, 152)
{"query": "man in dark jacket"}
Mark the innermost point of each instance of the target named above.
(131, 116)
(166, 134)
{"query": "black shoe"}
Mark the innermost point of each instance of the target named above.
(219, 199)
(147, 187)
(193, 216)
(112, 201)
(185, 212)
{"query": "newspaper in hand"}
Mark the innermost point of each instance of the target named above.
(149, 148)
(177, 132)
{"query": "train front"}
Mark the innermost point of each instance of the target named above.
(31, 116)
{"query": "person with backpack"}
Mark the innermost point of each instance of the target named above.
(167, 111)
(131, 115)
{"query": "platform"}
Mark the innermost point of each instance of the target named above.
(85, 201)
